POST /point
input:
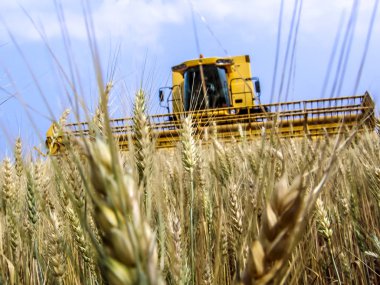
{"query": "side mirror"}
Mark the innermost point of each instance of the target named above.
(257, 86)
(161, 95)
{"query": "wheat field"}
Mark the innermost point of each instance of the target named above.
(267, 211)
(263, 211)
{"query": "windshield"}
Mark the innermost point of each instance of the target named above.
(216, 88)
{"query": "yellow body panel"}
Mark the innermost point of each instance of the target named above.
(177, 103)
(240, 83)
(54, 139)
(238, 71)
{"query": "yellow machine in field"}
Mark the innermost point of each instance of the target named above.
(213, 83)
(220, 93)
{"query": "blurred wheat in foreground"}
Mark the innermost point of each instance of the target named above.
(261, 212)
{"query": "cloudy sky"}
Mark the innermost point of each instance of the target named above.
(45, 49)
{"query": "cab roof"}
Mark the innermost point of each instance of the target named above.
(219, 61)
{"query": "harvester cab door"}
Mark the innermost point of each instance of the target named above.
(241, 92)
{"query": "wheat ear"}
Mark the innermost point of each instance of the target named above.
(142, 146)
(31, 203)
(324, 228)
(269, 253)
(55, 249)
(8, 184)
(190, 157)
(129, 255)
(98, 119)
(19, 164)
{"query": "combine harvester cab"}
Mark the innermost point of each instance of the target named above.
(220, 93)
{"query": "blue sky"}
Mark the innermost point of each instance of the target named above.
(139, 40)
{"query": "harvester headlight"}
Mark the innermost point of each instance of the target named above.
(224, 61)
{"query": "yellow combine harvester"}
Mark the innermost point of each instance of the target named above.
(220, 93)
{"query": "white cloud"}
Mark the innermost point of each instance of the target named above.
(138, 21)
(142, 22)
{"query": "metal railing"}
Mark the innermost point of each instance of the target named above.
(298, 118)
